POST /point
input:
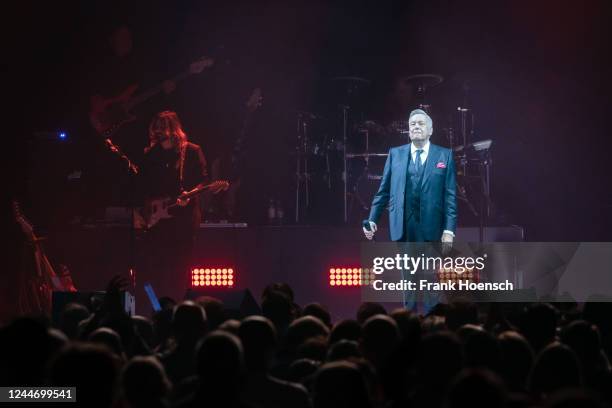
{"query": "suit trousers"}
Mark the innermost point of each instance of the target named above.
(414, 244)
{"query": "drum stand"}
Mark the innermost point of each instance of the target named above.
(485, 197)
(345, 109)
(364, 174)
(302, 176)
(479, 154)
(345, 173)
(351, 96)
(467, 120)
(132, 172)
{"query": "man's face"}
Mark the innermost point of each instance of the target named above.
(419, 131)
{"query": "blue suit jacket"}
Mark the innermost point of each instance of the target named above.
(438, 193)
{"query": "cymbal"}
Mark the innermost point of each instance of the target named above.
(351, 84)
(307, 114)
(479, 147)
(352, 80)
(350, 91)
(398, 126)
(370, 126)
(423, 80)
(355, 155)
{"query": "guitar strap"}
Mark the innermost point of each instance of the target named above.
(182, 165)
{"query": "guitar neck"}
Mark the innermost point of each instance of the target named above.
(151, 92)
(198, 190)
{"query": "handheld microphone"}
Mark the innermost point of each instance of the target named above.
(366, 225)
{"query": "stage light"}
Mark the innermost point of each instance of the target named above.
(452, 275)
(350, 276)
(213, 277)
(62, 135)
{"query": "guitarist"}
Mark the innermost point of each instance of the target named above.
(172, 170)
(173, 166)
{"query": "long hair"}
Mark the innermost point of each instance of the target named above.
(166, 123)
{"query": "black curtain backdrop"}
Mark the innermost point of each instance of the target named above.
(538, 74)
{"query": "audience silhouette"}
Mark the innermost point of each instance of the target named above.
(191, 354)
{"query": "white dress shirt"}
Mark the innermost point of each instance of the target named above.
(424, 154)
(413, 152)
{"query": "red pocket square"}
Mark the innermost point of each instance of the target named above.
(440, 165)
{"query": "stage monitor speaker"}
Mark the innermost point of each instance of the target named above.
(92, 300)
(238, 303)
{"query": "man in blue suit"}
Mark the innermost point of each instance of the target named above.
(418, 187)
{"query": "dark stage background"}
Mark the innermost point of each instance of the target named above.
(539, 74)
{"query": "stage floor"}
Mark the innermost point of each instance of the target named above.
(298, 255)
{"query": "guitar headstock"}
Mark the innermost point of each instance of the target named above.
(25, 225)
(200, 65)
(219, 185)
(255, 100)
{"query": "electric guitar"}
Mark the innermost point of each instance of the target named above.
(158, 209)
(107, 115)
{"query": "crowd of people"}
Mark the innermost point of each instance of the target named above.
(195, 354)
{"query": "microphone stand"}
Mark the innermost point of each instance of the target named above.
(133, 170)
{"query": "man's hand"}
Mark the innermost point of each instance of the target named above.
(370, 234)
(182, 200)
(447, 242)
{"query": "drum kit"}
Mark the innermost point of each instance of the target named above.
(346, 150)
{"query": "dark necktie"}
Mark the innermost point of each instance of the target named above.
(419, 164)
